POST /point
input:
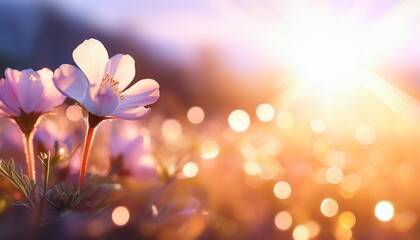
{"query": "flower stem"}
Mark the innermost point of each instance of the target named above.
(91, 124)
(29, 152)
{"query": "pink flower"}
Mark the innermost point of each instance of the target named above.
(129, 152)
(101, 87)
(25, 96)
(25, 92)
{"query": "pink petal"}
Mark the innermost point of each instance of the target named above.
(5, 111)
(9, 98)
(131, 113)
(100, 102)
(142, 93)
(29, 90)
(52, 97)
(12, 75)
(121, 68)
(70, 81)
(91, 56)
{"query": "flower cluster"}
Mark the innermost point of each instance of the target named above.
(99, 85)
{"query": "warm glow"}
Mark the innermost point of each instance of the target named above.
(283, 220)
(365, 135)
(171, 129)
(190, 170)
(252, 168)
(195, 115)
(329, 207)
(249, 152)
(74, 113)
(318, 126)
(209, 149)
(301, 232)
(347, 220)
(351, 182)
(282, 190)
(285, 120)
(239, 120)
(315, 49)
(120, 216)
(334, 175)
(343, 233)
(384, 211)
(265, 112)
(314, 229)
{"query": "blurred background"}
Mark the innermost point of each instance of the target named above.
(296, 119)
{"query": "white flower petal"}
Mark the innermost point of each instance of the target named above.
(100, 102)
(121, 68)
(142, 93)
(131, 113)
(70, 81)
(92, 57)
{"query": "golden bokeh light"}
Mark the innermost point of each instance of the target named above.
(265, 112)
(329, 207)
(190, 170)
(209, 149)
(301, 232)
(252, 168)
(239, 120)
(318, 126)
(283, 220)
(384, 211)
(120, 216)
(195, 115)
(334, 175)
(347, 219)
(365, 135)
(282, 190)
(343, 233)
(171, 129)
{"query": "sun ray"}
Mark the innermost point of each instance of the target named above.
(289, 96)
(400, 102)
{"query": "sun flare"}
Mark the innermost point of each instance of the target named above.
(324, 59)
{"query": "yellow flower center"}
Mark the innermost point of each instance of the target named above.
(110, 82)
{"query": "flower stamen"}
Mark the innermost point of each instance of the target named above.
(110, 82)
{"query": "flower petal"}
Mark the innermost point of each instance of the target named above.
(131, 113)
(142, 93)
(70, 81)
(91, 56)
(121, 68)
(6, 111)
(8, 91)
(12, 75)
(100, 102)
(29, 82)
(52, 97)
